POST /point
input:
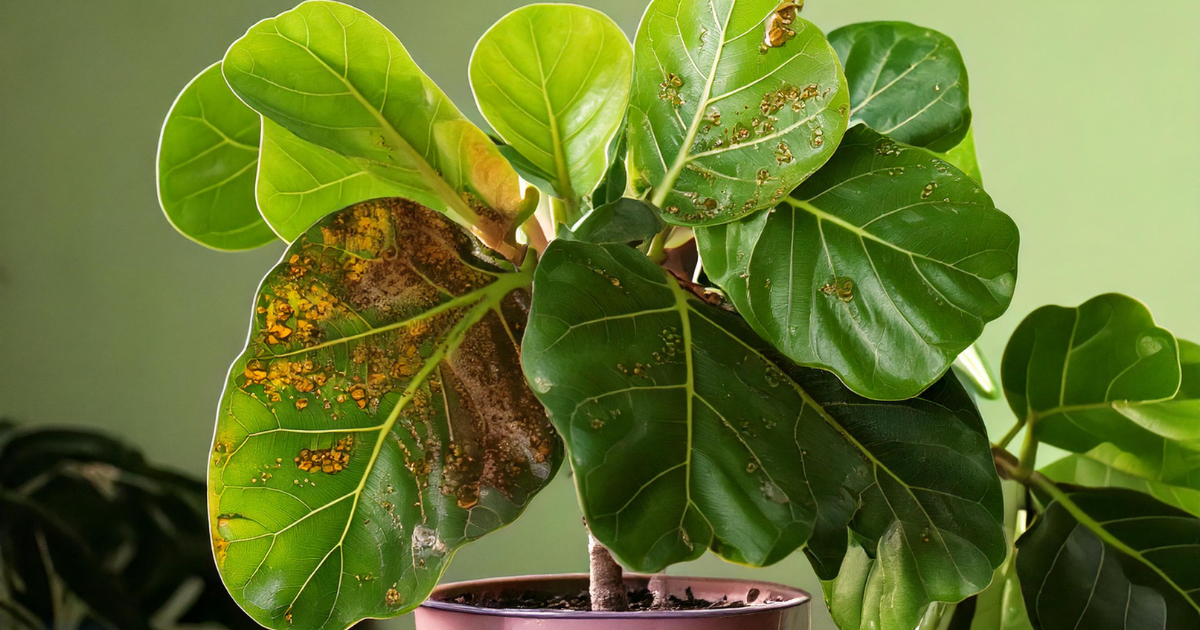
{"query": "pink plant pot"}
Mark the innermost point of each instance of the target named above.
(776, 607)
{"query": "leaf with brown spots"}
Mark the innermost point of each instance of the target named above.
(377, 421)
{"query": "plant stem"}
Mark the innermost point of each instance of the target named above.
(607, 585)
(1028, 457)
(658, 246)
(1012, 433)
(558, 213)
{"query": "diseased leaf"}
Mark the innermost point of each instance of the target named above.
(1104, 373)
(686, 433)
(1116, 560)
(882, 267)
(553, 81)
(377, 420)
(906, 81)
(300, 182)
(624, 221)
(722, 124)
(335, 77)
(207, 156)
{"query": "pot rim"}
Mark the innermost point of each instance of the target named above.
(799, 597)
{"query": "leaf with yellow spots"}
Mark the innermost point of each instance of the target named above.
(377, 421)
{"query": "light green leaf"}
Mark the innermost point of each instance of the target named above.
(906, 81)
(207, 156)
(972, 367)
(882, 267)
(376, 422)
(1111, 559)
(963, 157)
(1103, 372)
(687, 432)
(625, 221)
(337, 78)
(1001, 606)
(300, 182)
(1106, 465)
(553, 81)
(720, 128)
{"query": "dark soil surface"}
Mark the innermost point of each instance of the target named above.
(640, 600)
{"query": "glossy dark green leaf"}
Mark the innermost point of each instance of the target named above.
(906, 81)
(207, 156)
(335, 77)
(686, 432)
(1103, 372)
(720, 124)
(882, 267)
(299, 182)
(553, 81)
(625, 221)
(377, 420)
(1117, 560)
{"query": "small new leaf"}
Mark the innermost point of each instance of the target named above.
(553, 81)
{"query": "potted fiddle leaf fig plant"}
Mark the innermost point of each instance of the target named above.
(722, 271)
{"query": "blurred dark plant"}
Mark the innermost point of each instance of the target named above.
(91, 536)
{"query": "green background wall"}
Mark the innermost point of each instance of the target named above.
(1087, 124)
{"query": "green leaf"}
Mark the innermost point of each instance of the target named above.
(882, 267)
(1111, 559)
(526, 169)
(720, 128)
(616, 179)
(377, 420)
(686, 433)
(300, 182)
(972, 367)
(963, 157)
(553, 81)
(1001, 607)
(207, 156)
(1103, 372)
(625, 221)
(1105, 466)
(906, 81)
(335, 77)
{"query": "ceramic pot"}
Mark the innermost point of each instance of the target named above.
(775, 607)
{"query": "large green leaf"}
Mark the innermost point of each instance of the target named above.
(300, 182)
(882, 267)
(207, 156)
(1106, 466)
(337, 78)
(1103, 372)
(1111, 559)
(720, 123)
(906, 81)
(686, 433)
(377, 421)
(553, 81)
